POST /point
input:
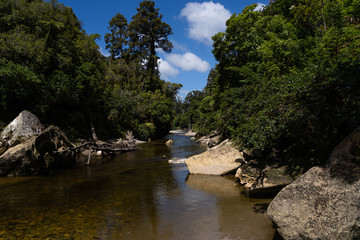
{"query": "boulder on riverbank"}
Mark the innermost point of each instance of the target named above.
(38, 155)
(259, 180)
(210, 140)
(190, 133)
(22, 128)
(324, 203)
(262, 180)
(220, 160)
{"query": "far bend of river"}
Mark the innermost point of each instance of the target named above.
(137, 195)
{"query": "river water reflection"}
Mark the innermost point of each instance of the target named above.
(137, 195)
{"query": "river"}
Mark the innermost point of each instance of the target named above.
(137, 195)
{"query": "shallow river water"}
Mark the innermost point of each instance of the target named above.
(137, 195)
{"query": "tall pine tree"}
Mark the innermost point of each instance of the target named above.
(116, 41)
(147, 32)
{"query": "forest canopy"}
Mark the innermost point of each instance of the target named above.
(287, 80)
(50, 66)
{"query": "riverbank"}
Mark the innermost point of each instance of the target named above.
(223, 158)
(320, 204)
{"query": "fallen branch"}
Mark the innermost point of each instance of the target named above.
(106, 148)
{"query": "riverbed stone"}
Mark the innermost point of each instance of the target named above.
(38, 155)
(324, 203)
(22, 128)
(220, 160)
(169, 142)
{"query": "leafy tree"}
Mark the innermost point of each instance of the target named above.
(285, 81)
(19, 88)
(50, 66)
(51, 25)
(116, 41)
(147, 32)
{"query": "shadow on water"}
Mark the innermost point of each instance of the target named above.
(137, 195)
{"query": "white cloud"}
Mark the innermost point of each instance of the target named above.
(182, 94)
(260, 7)
(166, 69)
(178, 46)
(188, 61)
(104, 52)
(205, 20)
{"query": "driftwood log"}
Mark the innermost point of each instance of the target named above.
(111, 148)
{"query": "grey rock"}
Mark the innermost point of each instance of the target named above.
(324, 203)
(220, 160)
(169, 142)
(190, 133)
(248, 172)
(262, 181)
(3, 149)
(250, 154)
(22, 128)
(209, 140)
(38, 155)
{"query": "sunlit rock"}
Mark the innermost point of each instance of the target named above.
(169, 142)
(220, 160)
(324, 203)
(22, 128)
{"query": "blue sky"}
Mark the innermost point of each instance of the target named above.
(193, 23)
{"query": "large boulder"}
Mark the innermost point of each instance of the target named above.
(324, 203)
(220, 160)
(262, 180)
(22, 128)
(38, 155)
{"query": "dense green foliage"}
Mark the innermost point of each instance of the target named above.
(51, 67)
(286, 81)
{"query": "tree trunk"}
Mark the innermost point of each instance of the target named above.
(93, 133)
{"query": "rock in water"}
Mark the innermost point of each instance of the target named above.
(38, 155)
(169, 142)
(324, 203)
(22, 128)
(220, 160)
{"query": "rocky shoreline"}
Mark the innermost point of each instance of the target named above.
(27, 148)
(224, 159)
(323, 203)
